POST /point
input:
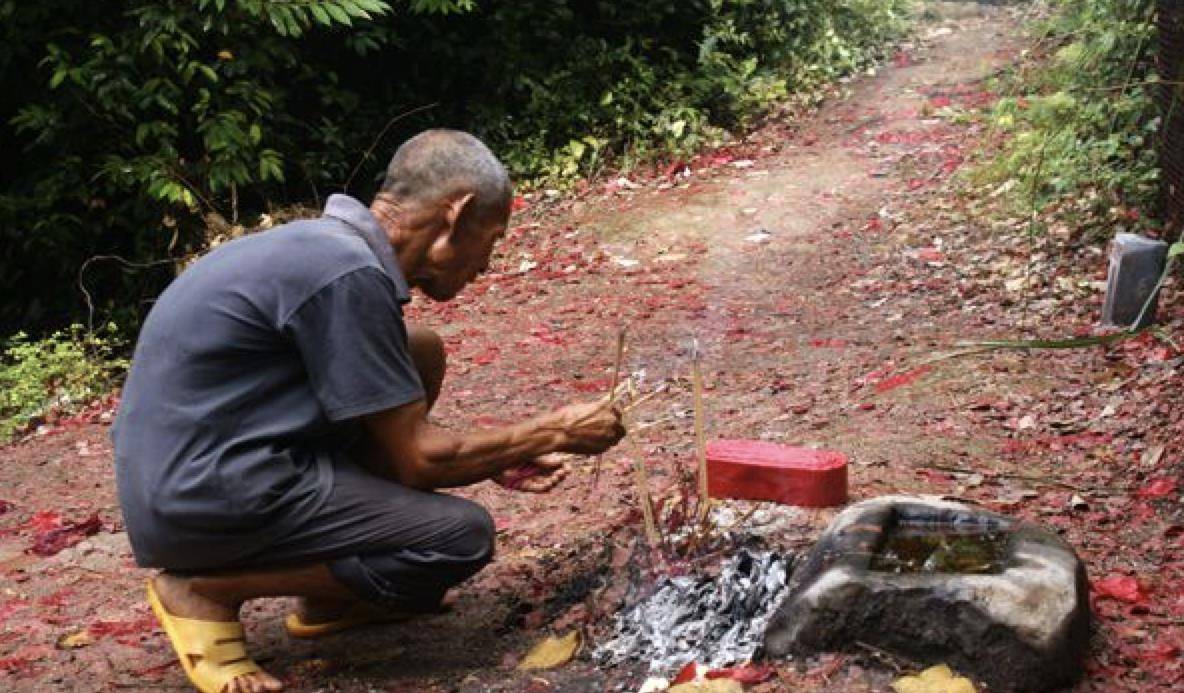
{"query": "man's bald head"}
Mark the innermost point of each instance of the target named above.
(445, 164)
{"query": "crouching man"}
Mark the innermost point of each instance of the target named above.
(272, 438)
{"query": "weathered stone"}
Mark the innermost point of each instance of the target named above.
(1135, 266)
(1020, 624)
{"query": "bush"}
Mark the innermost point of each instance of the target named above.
(57, 375)
(1084, 121)
(139, 120)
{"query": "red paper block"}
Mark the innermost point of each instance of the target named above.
(756, 470)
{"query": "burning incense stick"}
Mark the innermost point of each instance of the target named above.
(644, 497)
(635, 403)
(612, 390)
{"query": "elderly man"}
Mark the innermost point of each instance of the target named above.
(273, 436)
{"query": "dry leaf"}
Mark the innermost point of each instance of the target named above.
(1152, 455)
(936, 679)
(552, 652)
(710, 686)
(73, 641)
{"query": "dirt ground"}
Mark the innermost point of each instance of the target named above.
(821, 265)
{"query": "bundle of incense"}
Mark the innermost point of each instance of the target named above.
(611, 396)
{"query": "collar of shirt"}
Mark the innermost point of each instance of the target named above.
(363, 222)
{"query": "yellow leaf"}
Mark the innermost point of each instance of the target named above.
(225, 55)
(552, 652)
(710, 686)
(936, 679)
(73, 641)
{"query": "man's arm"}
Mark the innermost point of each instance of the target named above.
(419, 455)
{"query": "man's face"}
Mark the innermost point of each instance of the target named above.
(455, 261)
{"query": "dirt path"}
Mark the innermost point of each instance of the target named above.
(816, 266)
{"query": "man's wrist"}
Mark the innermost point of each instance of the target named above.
(553, 431)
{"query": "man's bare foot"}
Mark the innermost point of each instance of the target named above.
(178, 596)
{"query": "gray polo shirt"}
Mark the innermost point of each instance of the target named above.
(245, 377)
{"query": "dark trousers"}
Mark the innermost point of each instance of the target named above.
(389, 544)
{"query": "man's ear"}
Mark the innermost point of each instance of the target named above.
(457, 210)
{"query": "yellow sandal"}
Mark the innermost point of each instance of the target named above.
(218, 646)
(356, 616)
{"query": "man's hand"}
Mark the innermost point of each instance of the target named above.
(589, 428)
(539, 475)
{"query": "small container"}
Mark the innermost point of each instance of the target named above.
(759, 470)
(1135, 265)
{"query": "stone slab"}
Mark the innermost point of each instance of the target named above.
(1023, 628)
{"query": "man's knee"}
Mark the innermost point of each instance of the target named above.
(475, 533)
(411, 579)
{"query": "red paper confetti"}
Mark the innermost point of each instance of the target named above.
(1121, 587)
(686, 674)
(745, 673)
(1159, 488)
(55, 540)
(900, 379)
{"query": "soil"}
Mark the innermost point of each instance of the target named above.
(820, 265)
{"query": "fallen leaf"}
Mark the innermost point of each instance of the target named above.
(935, 679)
(552, 652)
(1152, 455)
(73, 641)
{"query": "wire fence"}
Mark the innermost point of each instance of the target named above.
(1170, 66)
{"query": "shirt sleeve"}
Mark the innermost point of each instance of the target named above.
(353, 342)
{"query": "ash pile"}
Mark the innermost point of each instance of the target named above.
(714, 621)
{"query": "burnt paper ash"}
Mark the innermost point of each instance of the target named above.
(713, 621)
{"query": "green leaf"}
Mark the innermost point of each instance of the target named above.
(1176, 249)
(337, 13)
(320, 15)
(375, 6)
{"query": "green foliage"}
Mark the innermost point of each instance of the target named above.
(60, 374)
(134, 121)
(1084, 122)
